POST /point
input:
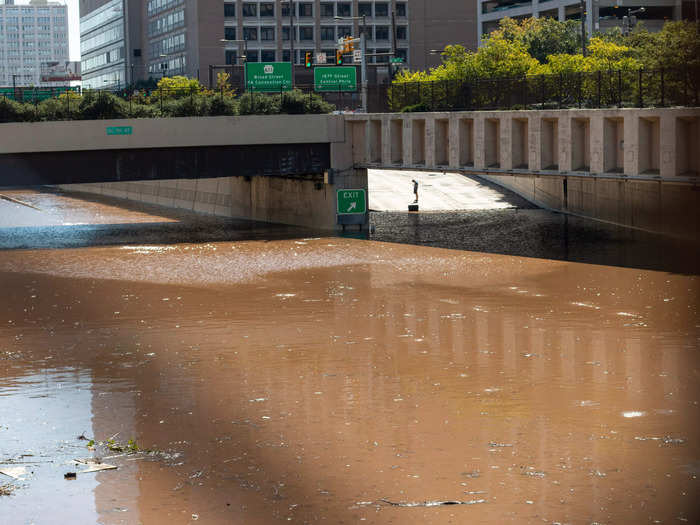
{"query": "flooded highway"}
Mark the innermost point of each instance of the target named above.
(497, 366)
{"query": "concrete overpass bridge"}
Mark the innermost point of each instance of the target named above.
(635, 167)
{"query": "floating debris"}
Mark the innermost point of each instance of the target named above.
(633, 413)
(430, 503)
(7, 489)
(14, 472)
(495, 444)
(70, 475)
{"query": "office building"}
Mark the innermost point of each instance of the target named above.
(605, 14)
(125, 40)
(32, 36)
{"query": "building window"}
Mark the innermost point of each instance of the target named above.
(267, 55)
(250, 33)
(343, 8)
(381, 9)
(252, 55)
(364, 9)
(306, 9)
(327, 10)
(327, 33)
(306, 33)
(250, 9)
(229, 10)
(267, 9)
(285, 9)
(381, 32)
(402, 53)
(267, 33)
(401, 32)
(344, 31)
(400, 8)
(383, 57)
(230, 33)
(285, 33)
(231, 57)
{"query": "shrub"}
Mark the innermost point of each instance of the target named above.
(191, 106)
(13, 111)
(259, 104)
(222, 105)
(415, 108)
(102, 105)
(143, 111)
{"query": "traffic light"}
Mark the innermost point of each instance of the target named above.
(307, 60)
(339, 57)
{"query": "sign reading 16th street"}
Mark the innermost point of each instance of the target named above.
(351, 201)
(268, 76)
(335, 78)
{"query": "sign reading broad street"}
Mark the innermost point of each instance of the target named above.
(335, 78)
(119, 130)
(268, 76)
(351, 202)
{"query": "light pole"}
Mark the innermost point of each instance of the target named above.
(583, 27)
(244, 58)
(363, 61)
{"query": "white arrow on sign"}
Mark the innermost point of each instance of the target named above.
(352, 206)
(357, 55)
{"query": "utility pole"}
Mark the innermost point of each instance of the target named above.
(393, 44)
(291, 38)
(583, 27)
(363, 47)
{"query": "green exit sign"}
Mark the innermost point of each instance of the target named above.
(119, 130)
(351, 202)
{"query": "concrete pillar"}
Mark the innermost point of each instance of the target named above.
(565, 142)
(454, 141)
(667, 161)
(507, 140)
(407, 141)
(479, 159)
(386, 141)
(429, 141)
(630, 147)
(534, 140)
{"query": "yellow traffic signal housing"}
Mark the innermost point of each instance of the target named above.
(307, 60)
(339, 57)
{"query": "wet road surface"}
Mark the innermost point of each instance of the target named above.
(281, 375)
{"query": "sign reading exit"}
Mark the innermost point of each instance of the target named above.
(351, 202)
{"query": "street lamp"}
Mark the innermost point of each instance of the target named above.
(363, 61)
(244, 56)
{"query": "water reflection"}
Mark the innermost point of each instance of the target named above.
(41, 414)
(307, 378)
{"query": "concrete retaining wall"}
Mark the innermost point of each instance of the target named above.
(635, 167)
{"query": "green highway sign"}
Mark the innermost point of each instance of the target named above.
(396, 60)
(351, 202)
(119, 130)
(335, 78)
(268, 76)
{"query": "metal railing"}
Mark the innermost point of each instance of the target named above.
(599, 89)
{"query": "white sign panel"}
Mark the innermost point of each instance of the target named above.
(60, 71)
(357, 55)
(320, 58)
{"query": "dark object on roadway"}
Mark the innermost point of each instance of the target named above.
(412, 207)
(69, 475)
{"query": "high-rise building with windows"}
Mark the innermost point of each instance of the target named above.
(599, 15)
(125, 40)
(31, 35)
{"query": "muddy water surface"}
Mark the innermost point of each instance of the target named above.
(279, 375)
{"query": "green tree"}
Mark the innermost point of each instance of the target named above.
(541, 36)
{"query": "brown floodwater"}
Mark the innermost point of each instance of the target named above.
(280, 375)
